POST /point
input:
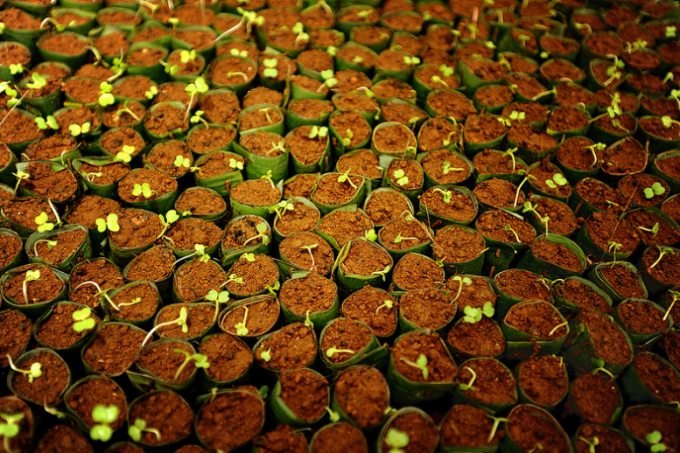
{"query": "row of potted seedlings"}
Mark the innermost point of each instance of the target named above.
(294, 227)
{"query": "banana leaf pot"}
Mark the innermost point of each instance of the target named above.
(352, 280)
(590, 289)
(406, 391)
(641, 388)
(65, 343)
(372, 354)
(534, 422)
(258, 166)
(522, 344)
(74, 407)
(534, 262)
(526, 393)
(636, 423)
(162, 283)
(271, 308)
(29, 356)
(407, 413)
(643, 329)
(320, 319)
(498, 396)
(282, 412)
(208, 378)
(159, 444)
(261, 246)
(131, 316)
(76, 236)
(14, 250)
(35, 309)
(661, 169)
(598, 276)
(341, 396)
(100, 332)
(655, 263)
(89, 180)
(143, 379)
(224, 182)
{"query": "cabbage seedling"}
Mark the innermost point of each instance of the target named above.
(105, 96)
(654, 438)
(266, 355)
(110, 223)
(143, 189)
(219, 298)
(592, 443)
(49, 121)
(9, 429)
(330, 352)
(420, 363)
(469, 386)
(135, 431)
(261, 233)
(31, 276)
(316, 131)
(83, 319)
(344, 177)
(663, 251)
(198, 116)
(388, 304)
(674, 298)
(181, 161)
(240, 327)
(656, 189)
(200, 361)
(309, 249)
(33, 373)
(527, 177)
(270, 70)
(104, 416)
(43, 224)
(654, 230)
(474, 315)
(400, 176)
(397, 440)
(50, 245)
(180, 321)
(462, 281)
(510, 229)
(77, 129)
(170, 217)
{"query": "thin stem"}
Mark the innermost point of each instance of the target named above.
(557, 327)
(163, 324)
(514, 205)
(668, 312)
(231, 30)
(13, 107)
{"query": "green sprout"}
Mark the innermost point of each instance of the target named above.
(517, 116)
(509, 228)
(83, 319)
(104, 416)
(400, 176)
(234, 278)
(399, 238)
(420, 363)
(330, 352)
(446, 194)
(670, 31)
(135, 431)
(656, 189)
(600, 363)
(180, 321)
(668, 122)
(50, 245)
(151, 92)
(240, 327)
(411, 61)
(9, 429)
(170, 69)
(238, 53)
(347, 140)
(43, 224)
(557, 180)
(77, 130)
(528, 207)
(186, 56)
(38, 81)
(396, 440)
(199, 251)
(468, 386)
(110, 223)
(33, 373)
(31, 276)
(237, 164)
(437, 79)
(329, 79)
(344, 177)
(125, 109)
(262, 231)
(511, 152)
(219, 298)
(316, 131)
(273, 289)
(654, 230)
(125, 155)
(16, 68)
(270, 70)
(299, 29)
(281, 208)
(663, 251)
(242, 75)
(504, 121)
(266, 355)
(276, 146)
(654, 438)
(142, 189)
(388, 304)
(371, 235)
(181, 161)
(527, 177)
(105, 96)
(134, 301)
(382, 273)
(44, 123)
(170, 217)
(613, 248)
(592, 443)
(594, 149)
(200, 361)
(473, 315)
(461, 281)
(675, 296)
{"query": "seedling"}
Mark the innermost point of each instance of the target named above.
(134, 301)
(614, 71)
(469, 386)
(237, 164)
(654, 438)
(200, 361)
(219, 298)
(43, 223)
(344, 177)
(104, 416)
(185, 56)
(397, 440)
(461, 281)
(243, 75)
(125, 109)
(334, 416)
(135, 431)
(33, 373)
(371, 235)
(100, 292)
(111, 223)
(399, 238)
(198, 86)
(125, 155)
(329, 79)
(77, 130)
(347, 140)
(420, 363)
(9, 429)
(613, 248)
(301, 37)
(270, 70)
(151, 93)
(556, 328)
(675, 296)
(668, 78)
(261, 233)
(330, 352)
(180, 321)
(282, 207)
(181, 161)
(670, 31)
(366, 15)
(266, 355)
(357, 59)
(400, 176)
(105, 96)
(382, 273)
(656, 189)
(663, 251)
(509, 228)
(238, 53)
(309, 249)
(320, 132)
(38, 82)
(249, 18)
(528, 207)
(50, 245)
(437, 79)
(592, 443)
(675, 94)
(233, 278)
(276, 145)
(446, 71)
(170, 69)
(170, 217)
(594, 149)
(388, 304)
(44, 123)
(494, 428)
(473, 315)
(523, 39)
(556, 181)
(240, 327)
(447, 168)
(142, 189)
(199, 251)
(511, 152)
(83, 319)
(273, 289)
(504, 121)
(545, 93)
(654, 230)
(527, 177)
(411, 61)
(600, 363)
(446, 194)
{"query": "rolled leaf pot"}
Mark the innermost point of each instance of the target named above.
(163, 445)
(164, 283)
(66, 351)
(18, 147)
(589, 246)
(281, 236)
(553, 271)
(272, 372)
(28, 356)
(401, 412)
(344, 415)
(251, 337)
(36, 309)
(18, 257)
(319, 319)
(565, 306)
(82, 425)
(430, 180)
(258, 166)
(46, 104)
(207, 52)
(356, 199)
(229, 147)
(229, 256)
(640, 338)
(121, 255)
(88, 370)
(373, 193)
(470, 266)
(113, 313)
(82, 252)
(210, 383)
(276, 128)
(142, 379)
(6, 176)
(600, 134)
(634, 387)
(654, 413)
(654, 285)
(354, 282)
(407, 152)
(657, 166)
(217, 218)
(24, 37)
(74, 61)
(522, 345)
(178, 133)
(155, 71)
(597, 429)
(282, 413)
(223, 183)
(372, 354)
(524, 398)
(468, 396)
(510, 444)
(56, 168)
(595, 275)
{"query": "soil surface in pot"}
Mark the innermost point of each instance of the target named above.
(345, 335)
(385, 205)
(610, 343)
(262, 315)
(414, 271)
(428, 309)
(37, 291)
(253, 276)
(282, 439)
(409, 347)
(136, 302)
(57, 329)
(523, 285)
(543, 379)
(624, 281)
(344, 225)
(659, 377)
(195, 279)
(597, 398)
(168, 413)
(229, 358)
(581, 295)
(368, 306)
(527, 427)
(310, 294)
(477, 425)
(642, 317)
(421, 431)
(479, 339)
(494, 384)
(296, 249)
(305, 394)
(362, 393)
(460, 206)
(152, 265)
(456, 245)
(338, 438)
(292, 347)
(86, 396)
(49, 387)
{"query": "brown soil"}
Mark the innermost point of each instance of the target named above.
(338, 438)
(610, 344)
(163, 156)
(479, 339)
(533, 112)
(346, 335)
(666, 235)
(454, 245)
(262, 315)
(428, 309)
(597, 398)
(597, 193)
(344, 225)
(161, 360)
(632, 188)
(582, 295)
(60, 435)
(492, 225)
(200, 202)
(228, 357)
(292, 347)
(282, 440)
(160, 183)
(49, 387)
(18, 333)
(534, 139)
(415, 271)
(111, 119)
(57, 329)
(258, 192)
(528, 427)
(241, 231)
(362, 393)
(38, 291)
(144, 309)
(188, 232)
(624, 281)
(494, 383)
(304, 393)
(57, 185)
(207, 139)
(83, 399)
(452, 104)
(310, 108)
(365, 259)
(536, 319)
(311, 294)
(644, 420)
(543, 379)
(642, 317)
(574, 154)
(477, 424)
(256, 275)
(363, 163)
(522, 284)
(557, 254)
(220, 108)
(137, 228)
(439, 364)
(195, 279)
(219, 163)
(151, 265)
(659, 378)
(489, 162)
(364, 305)
(166, 412)
(498, 193)
(610, 441)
